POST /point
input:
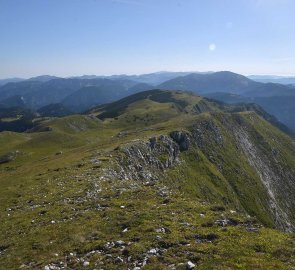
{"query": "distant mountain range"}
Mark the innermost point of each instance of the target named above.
(5, 81)
(228, 82)
(154, 79)
(106, 92)
(79, 94)
(42, 78)
(150, 78)
(273, 79)
(36, 94)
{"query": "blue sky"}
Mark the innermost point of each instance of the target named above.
(76, 37)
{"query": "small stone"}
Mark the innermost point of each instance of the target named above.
(85, 264)
(125, 230)
(160, 230)
(122, 206)
(120, 243)
(190, 265)
(52, 222)
(153, 251)
(251, 229)
(119, 260)
(185, 223)
(158, 237)
(145, 261)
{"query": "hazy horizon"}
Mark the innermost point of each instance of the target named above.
(138, 74)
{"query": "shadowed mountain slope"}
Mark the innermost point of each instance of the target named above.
(37, 94)
(282, 107)
(225, 81)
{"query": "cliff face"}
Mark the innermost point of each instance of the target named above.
(248, 167)
(274, 173)
(147, 160)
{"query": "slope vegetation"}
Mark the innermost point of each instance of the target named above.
(157, 180)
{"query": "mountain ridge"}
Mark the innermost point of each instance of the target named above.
(160, 173)
(37, 94)
(225, 81)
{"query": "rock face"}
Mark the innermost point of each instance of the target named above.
(182, 139)
(147, 160)
(279, 182)
(8, 157)
(269, 168)
(205, 131)
(255, 177)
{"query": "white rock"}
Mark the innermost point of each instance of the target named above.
(85, 264)
(144, 261)
(152, 251)
(125, 230)
(190, 265)
(158, 237)
(160, 230)
(120, 243)
(119, 260)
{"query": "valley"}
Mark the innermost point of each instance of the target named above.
(49, 96)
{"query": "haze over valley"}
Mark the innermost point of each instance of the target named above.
(53, 96)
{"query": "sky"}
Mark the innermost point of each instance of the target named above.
(103, 37)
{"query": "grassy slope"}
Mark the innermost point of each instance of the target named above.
(54, 201)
